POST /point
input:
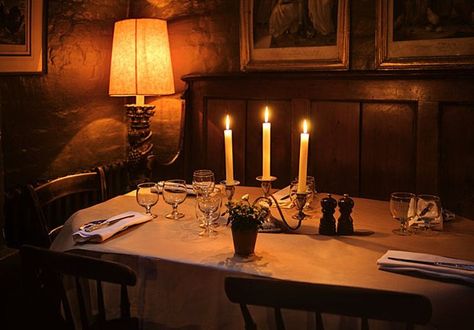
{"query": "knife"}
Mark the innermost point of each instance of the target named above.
(94, 226)
(467, 267)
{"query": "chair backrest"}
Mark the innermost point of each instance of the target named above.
(43, 271)
(56, 200)
(319, 298)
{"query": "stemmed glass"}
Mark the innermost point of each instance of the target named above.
(203, 181)
(174, 193)
(208, 204)
(147, 196)
(402, 207)
(428, 208)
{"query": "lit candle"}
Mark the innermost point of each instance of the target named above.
(266, 147)
(303, 166)
(229, 165)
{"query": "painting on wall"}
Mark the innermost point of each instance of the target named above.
(281, 35)
(21, 36)
(425, 34)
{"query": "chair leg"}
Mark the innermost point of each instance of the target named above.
(365, 324)
(279, 319)
(319, 321)
(249, 323)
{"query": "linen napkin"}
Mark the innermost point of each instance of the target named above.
(432, 270)
(105, 232)
(189, 188)
(283, 198)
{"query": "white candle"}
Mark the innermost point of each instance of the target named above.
(229, 164)
(303, 166)
(266, 147)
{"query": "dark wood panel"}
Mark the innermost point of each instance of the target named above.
(405, 141)
(427, 148)
(334, 146)
(388, 149)
(280, 118)
(215, 154)
(457, 158)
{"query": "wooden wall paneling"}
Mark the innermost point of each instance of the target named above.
(194, 147)
(300, 109)
(216, 111)
(334, 145)
(280, 117)
(388, 149)
(427, 148)
(457, 158)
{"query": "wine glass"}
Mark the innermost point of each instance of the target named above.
(203, 181)
(402, 207)
(428, 208)
(208, 204)
(174, 193)
(147, 196)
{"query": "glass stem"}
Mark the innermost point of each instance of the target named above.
(148, 209)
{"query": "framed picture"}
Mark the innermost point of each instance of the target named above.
(21, 36)
(294, 35)
(425, 34)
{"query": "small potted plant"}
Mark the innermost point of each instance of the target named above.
(245, 219)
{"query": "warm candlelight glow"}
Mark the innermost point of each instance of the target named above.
(303, 165)
(266, 146)
(229, 162)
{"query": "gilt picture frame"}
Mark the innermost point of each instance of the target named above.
(424, 35)
(22, 36)
(294, 35)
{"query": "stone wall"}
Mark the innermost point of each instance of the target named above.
(64, 121)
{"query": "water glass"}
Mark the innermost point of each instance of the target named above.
(428, 208)
(147, 196)
(174, 193)
(203, 181)
(209, 204)
(402, 207)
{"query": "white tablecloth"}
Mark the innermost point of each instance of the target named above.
(181, 275)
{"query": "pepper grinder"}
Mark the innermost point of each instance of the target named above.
(327, 226)
(345, 224)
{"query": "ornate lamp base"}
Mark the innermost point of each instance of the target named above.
(140, 152)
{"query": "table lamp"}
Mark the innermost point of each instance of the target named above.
(140, 66)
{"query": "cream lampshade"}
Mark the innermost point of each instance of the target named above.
(141, 62)
(140, 66)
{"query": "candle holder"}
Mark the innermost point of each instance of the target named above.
(301, 199)
(272, 223)
(229, 191)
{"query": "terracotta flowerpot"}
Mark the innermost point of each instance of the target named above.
(244, 241)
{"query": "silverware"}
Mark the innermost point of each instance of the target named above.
(94, 225)
(285, 197)
(467, 267)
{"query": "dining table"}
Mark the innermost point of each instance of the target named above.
(180, 274)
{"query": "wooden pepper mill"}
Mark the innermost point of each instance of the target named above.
(327, 225)
(345, 224)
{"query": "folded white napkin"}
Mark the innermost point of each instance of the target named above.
(189, 188)
(386, 263)
(283, 198)
(105, 232)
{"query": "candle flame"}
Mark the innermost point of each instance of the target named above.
(227, 122)
(305, 127)
(266, 114)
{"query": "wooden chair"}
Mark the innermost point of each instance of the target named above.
(55, 201)
(319, 298)
(43, 272)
